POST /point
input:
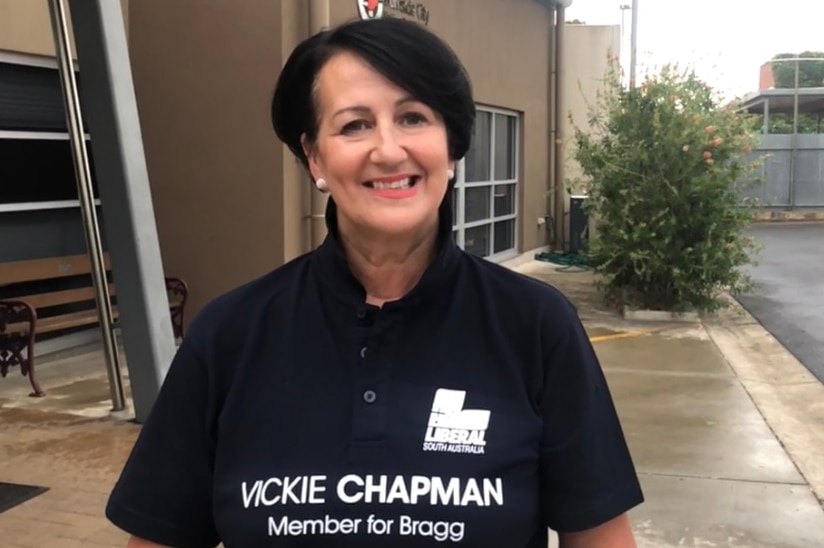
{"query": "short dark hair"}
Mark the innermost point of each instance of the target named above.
(404, 52)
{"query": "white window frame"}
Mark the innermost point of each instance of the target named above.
(14, 58)
(460, 225)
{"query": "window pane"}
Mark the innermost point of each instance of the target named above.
(454, 200)
(504, 235)
(504, 147)
(476, 240)
(478, 157)
(504, 199)
(39, 170)
(476, 205)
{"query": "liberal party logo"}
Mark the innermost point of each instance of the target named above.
(453, 429)
(370, 9)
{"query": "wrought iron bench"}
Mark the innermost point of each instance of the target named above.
(33, 312)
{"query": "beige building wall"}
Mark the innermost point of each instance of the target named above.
(25, 27)
(585, 55)
(204, 74)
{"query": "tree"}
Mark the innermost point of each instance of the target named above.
(810, 73)
(661, 163)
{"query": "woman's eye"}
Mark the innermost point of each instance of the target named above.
(354, 126)
(413, 118)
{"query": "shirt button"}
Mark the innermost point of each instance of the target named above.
(363, 352)
(361, 314)
(370, 396)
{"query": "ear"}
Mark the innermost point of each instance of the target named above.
(312, 157)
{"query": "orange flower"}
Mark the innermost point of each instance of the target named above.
(709, 129)
(707, 154)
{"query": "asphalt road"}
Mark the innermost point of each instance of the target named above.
(789, 299)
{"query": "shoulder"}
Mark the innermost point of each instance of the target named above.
(233, 315)
(519, 292)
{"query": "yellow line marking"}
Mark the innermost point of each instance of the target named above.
(636, 334)
(616, 336)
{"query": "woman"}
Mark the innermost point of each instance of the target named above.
(387, 389)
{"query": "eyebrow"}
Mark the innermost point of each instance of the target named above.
(361, 109)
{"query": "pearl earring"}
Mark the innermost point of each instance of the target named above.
(450, 174)
(321, 184)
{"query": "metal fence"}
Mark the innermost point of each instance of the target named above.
(791, 173)
(790, 104)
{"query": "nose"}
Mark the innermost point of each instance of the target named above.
(388, 149)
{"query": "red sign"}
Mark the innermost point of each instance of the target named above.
(370, 9)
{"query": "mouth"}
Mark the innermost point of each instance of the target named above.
(404, 183)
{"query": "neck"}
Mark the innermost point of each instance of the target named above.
(388, 268)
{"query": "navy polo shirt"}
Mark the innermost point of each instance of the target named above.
(472, 412)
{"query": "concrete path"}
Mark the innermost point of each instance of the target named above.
(789, 300)
(726, 427)
(691, 397)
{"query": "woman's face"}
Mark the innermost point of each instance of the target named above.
(383, 154)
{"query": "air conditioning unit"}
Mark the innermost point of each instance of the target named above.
(578, 224)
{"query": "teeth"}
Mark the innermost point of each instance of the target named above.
(403, 183)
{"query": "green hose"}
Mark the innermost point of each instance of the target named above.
(570, 262)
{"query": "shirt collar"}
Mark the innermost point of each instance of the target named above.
(333, 269)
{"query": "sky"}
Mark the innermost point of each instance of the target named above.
(725, 41)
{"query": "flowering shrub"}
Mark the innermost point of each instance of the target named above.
(661, 165)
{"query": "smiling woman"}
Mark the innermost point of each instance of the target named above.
(382, 133)
(393, 389)
(382, 153)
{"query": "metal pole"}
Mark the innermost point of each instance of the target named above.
(794, 139)
(560, 197)
(87, 206)
(623, 9)
(319, 19)
(633, 54)
(552, 123)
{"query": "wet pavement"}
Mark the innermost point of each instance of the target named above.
(789, 300)
(712, 468)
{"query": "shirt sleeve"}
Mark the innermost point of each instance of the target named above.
(588, 476)
(164, 492)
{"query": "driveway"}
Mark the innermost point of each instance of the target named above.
(789, 299)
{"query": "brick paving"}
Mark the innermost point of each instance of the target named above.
(78, 459)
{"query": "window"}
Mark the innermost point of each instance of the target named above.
(38, 172)
(485, 198)
(36, 157)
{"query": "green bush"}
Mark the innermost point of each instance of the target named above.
(661, 165)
